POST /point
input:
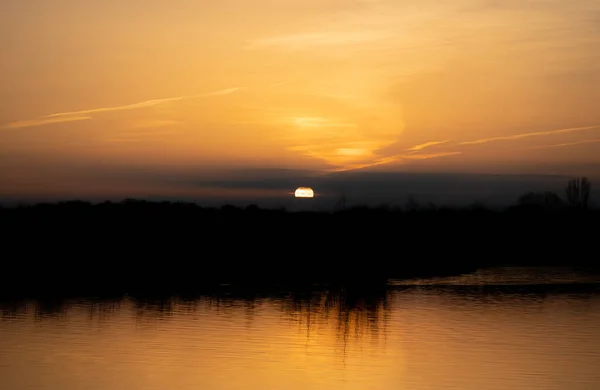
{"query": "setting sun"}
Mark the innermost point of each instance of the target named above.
(304, 192)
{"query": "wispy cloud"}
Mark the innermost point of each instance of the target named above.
(415, 152)
(353, 167)
(84, 114)
(147, 103)
(587, 141)
(392, 159)
(226, 91)
(527, 135)
(426, 145)
(43, 121)
(430, 155)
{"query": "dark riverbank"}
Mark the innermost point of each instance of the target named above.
(137, 246)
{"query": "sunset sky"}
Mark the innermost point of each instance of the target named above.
(101, 96)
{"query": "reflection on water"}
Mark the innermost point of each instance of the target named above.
(419, 336)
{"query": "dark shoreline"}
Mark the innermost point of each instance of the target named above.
(145, 247)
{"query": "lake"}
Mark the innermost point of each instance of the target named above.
(497, 329)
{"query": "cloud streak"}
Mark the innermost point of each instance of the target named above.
(426, 145)
(527, 135)
(84, 114)
(415, 151)
(147, 103)
(431, 155)
(587, 141)
(43, 121)
(392, 159)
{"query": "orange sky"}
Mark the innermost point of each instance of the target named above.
(318, 84)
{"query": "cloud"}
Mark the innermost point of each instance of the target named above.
(226, 91)
(83, 114)
(426, 145)
(147, 103)
(415, 151)
(431, 155)
(43, 121)
(587, 141)
(353, 167)
(396, 158)
(527, 135)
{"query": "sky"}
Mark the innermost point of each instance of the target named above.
(108, 98)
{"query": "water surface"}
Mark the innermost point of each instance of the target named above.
(497, 329)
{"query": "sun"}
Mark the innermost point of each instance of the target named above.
(304, 192)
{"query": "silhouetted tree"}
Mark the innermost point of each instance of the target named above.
(578, 192)
(546, 200)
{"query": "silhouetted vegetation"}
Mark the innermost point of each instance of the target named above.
(545, 200)
(578, 192)
(138, 246)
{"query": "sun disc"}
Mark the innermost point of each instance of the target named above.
(304, 192)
